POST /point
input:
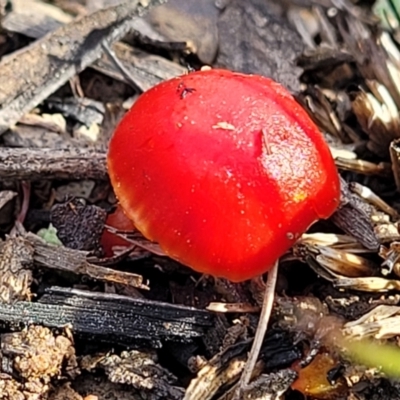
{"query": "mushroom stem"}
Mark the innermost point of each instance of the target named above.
(268, 302)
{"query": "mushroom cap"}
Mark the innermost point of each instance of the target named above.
(224, 170)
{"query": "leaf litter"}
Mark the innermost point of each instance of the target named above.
(67, 78)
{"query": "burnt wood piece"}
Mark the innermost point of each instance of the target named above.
(110, 317)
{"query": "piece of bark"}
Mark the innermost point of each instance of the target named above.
(323, 57)
(31, 358)
(32, 74)
(356, 223)
(75, 261)
(47, 164)
(109, 317)
(83, 110)
(352, 217)
(253, 40)
(16, 261)
(140, 369)
(145, 70)
(42, 19)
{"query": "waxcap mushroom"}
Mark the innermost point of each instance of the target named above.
(224, 170)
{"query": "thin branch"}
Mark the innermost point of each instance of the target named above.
(45, 164)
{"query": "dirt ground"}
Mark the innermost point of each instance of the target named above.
(81, 319)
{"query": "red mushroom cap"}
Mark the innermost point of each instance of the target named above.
(224, 170)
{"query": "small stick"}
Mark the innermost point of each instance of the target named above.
(120, 66)
(31, 164)
(260, 332)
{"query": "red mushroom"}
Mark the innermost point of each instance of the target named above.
(110, 241)
(224, 170)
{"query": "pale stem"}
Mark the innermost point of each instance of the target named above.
(265, 315)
